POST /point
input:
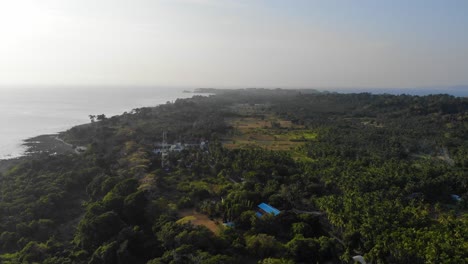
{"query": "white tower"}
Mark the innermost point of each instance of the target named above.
(164, 151)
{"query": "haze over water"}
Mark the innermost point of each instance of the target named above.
(28, 112)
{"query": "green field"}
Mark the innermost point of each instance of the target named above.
(269, 133)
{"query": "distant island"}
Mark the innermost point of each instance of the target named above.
(246, 176)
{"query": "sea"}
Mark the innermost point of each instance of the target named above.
(26, 112)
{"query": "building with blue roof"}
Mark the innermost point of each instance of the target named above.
(229, 224)
(456, 198)
(265, 208)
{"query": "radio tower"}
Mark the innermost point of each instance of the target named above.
(164, 150)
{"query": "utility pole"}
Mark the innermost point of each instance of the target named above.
(164, 151)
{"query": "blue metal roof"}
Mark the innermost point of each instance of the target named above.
(269, 209)
(456, 197)
(229, 224)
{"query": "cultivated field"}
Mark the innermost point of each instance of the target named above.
(267, 132)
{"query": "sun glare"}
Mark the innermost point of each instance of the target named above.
(23, 19)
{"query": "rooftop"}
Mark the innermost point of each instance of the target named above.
(269, 209)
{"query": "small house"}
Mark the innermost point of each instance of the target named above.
(456, 198)
(265, 208)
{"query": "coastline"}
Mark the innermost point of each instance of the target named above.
(49, 144)
(34, 111)
(52, 144)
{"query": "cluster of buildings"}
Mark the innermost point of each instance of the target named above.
(263, 209)
(178, 147)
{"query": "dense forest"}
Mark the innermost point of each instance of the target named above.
(380, 176)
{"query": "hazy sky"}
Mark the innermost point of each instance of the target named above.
(242, 43)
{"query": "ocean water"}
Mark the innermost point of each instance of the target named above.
(26, 112)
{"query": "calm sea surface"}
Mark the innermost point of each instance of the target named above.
(27, 112)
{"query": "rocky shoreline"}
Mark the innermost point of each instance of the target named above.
(40, 145)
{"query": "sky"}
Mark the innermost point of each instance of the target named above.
(242, 43)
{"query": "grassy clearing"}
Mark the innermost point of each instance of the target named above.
(186, 219)
(197, 219)
(302, 135)
(8, 258)
(267, 132)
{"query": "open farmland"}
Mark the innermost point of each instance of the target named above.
(265, 131)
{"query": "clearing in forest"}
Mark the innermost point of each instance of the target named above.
(197, 219)
(268, 132)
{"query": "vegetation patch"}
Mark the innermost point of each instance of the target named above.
(393, 190)
(265, 131)
(197, 219)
